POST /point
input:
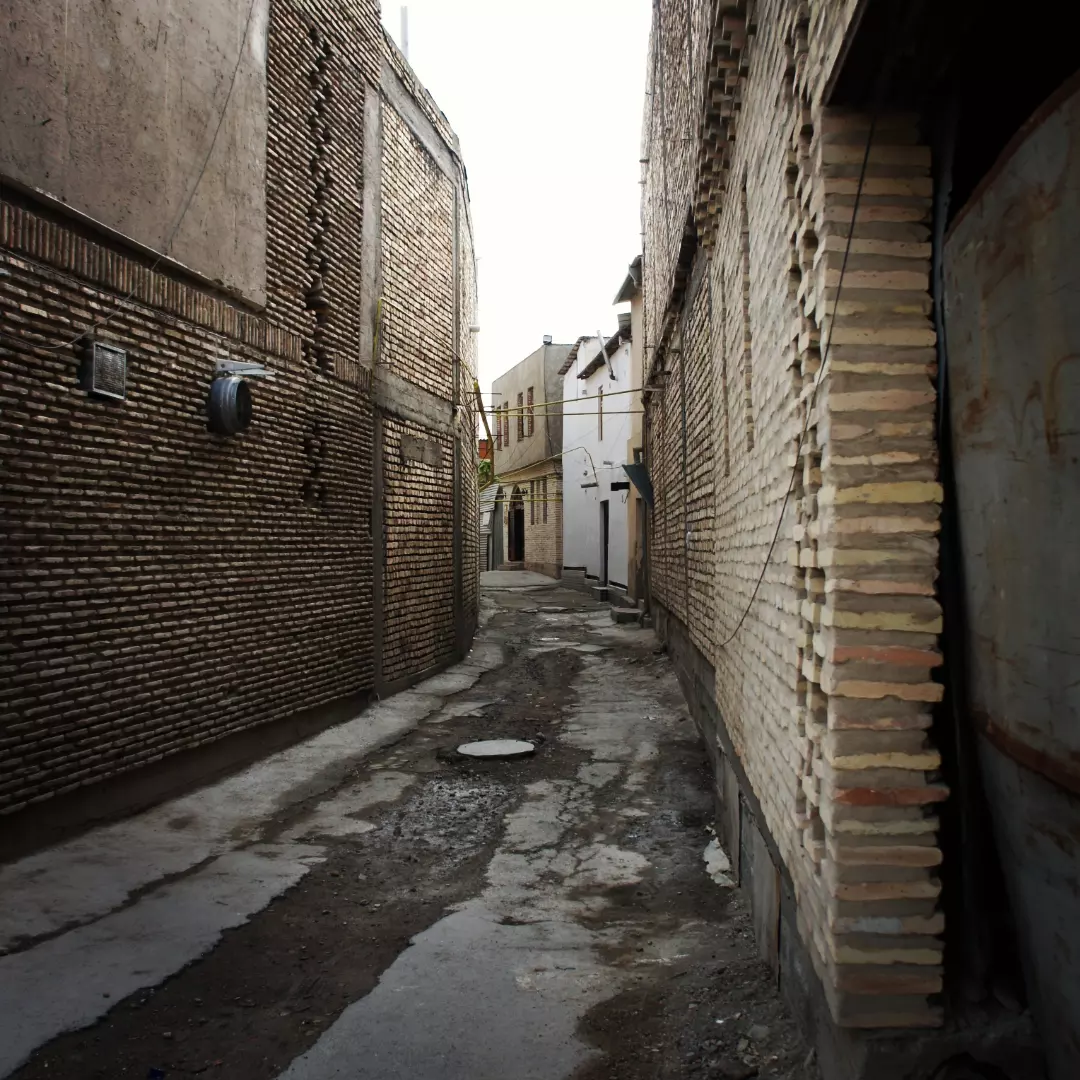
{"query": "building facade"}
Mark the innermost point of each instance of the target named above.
(238, 428)
(528, 447)
(597, 422)
(636, 508)
(825, 226)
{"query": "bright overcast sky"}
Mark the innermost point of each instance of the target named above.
(547, 100)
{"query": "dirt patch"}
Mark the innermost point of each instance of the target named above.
(715, 1016)
(273, 985)
(693, 1000)
(715, 1013)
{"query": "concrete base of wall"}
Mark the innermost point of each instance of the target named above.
(55, 820)
(993, 1036)
(552, 570)
(617, 594)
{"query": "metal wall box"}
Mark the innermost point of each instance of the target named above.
(105, 371)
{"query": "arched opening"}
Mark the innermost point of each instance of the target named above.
(495, 540)
(516, 527)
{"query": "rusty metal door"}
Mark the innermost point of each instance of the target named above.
(1012, 317)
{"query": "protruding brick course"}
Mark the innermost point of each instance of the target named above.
(825, 686)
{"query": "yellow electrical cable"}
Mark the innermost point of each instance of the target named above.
(562, 401)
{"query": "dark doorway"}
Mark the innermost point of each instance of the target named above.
(639, 562)
(516, 529)
(497, 532)
(603, 542)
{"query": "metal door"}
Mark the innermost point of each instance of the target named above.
(1012, 317)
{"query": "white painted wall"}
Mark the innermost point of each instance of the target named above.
(588, 459)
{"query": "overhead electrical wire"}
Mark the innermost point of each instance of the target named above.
(514, 409)
(814, 389)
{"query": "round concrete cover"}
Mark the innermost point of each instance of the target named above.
(497, 748)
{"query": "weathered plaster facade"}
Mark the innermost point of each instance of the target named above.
(528, 431)
(111, 111)
(596, 428)
(165, 588)
(814, 689)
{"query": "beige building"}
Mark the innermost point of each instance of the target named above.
(527, 523)
(636, 520)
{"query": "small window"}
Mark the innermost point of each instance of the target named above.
(600, 414)
(521, 417)
(543, 495)
(532, 502)
(498, 429)
(530, 404)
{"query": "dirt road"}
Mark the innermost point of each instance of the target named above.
(371, 905)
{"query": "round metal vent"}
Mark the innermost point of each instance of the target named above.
(229, 407)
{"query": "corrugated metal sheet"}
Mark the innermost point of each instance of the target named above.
(1012, 286)
(487, 505)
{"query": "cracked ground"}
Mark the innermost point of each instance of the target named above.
(371, 905)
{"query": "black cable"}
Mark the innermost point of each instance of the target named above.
(183, 211)
(817, 383)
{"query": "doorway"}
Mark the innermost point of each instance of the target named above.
(604, 517)
(497, 532)
(639, 556)
(516, 528)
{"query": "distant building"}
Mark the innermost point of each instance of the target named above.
(528, 466)
(596, 431)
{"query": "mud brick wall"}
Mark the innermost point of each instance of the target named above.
(418, 631)
(427, 288)
(470, 414)
(825, 689)
(162, 587)
(416, 332)
(543, 539)
(323, 59)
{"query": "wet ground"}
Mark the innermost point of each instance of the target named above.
(372, 905)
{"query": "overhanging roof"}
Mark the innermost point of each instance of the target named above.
(612, 343)
(632, 285)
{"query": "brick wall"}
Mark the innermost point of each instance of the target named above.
(416, 323)
(163, 587)
(419, 626)
(470, 414)
(824, 689)
(427, 304)
(543, 538)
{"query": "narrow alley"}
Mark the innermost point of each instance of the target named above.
(372, 904)
(534, 541)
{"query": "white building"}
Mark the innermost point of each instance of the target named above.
(597, 425)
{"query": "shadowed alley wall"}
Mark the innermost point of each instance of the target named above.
(163, 586)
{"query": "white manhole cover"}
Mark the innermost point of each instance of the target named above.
(497, 748)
